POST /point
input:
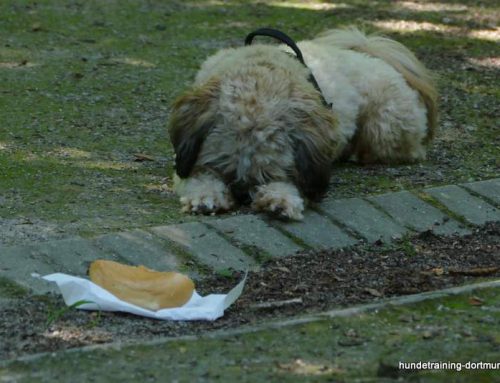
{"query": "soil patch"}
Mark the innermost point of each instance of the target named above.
(309, 282)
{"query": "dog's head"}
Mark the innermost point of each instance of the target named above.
(257, 123)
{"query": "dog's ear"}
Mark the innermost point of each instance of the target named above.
(192, 117)
(316, 142)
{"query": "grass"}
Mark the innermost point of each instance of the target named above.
(87, 85)
(56, 313)
(403, 244)
(12, 290)
(447, 329)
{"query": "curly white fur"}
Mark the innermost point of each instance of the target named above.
(279, 198)
(203, 193)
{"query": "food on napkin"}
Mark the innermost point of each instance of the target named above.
(150, 289)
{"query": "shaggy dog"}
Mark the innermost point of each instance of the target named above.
(255, 129)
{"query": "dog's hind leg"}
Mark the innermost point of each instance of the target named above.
(281, 199)
(203, 193)
(391, 126)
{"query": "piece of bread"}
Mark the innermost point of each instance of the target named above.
(152, 290)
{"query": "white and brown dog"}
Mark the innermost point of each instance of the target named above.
(255, 127)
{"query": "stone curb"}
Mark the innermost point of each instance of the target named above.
(410, 211)
(474, 209)
(317, 231)
(252, 231)
(241, 242)
(364, 219)
(489, 189)
(208, 247)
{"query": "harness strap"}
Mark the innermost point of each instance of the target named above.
(285, 39)
(278, 35)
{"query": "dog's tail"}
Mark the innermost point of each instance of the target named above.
(399, 57)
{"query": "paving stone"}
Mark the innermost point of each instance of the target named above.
(489, 189)
(208, 247)
(318, 231)
(71, 255)
(253, 231)
(138, 247)
(363, 218)
(473, 209)
(17, 263)
(411, 211)
(5, 303)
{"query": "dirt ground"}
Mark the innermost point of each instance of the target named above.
(306, 283)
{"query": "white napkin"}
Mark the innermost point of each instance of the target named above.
(75, 289)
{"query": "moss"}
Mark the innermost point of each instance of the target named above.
(437, 204)
(87, 85)
(367, 346)
(9, 289)
(298, 241)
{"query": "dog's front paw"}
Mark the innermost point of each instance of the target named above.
(206, 203)
(280, 199)
(204, 194)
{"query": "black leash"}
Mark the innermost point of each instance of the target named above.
(285, 39)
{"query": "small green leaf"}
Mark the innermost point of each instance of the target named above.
(55, 315)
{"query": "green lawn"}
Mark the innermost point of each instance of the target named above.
(85, 86)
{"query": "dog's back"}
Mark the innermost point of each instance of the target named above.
(394, 54)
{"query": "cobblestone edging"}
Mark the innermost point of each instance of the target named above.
(242, 242)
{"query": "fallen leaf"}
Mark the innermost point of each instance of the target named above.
(373, 292)
(140, 157)
(36, 27)
(418, 248)
(351, 333)
(475, 301)
(438, 271)
(428, 335)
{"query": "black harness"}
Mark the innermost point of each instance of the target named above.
(285, 39)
